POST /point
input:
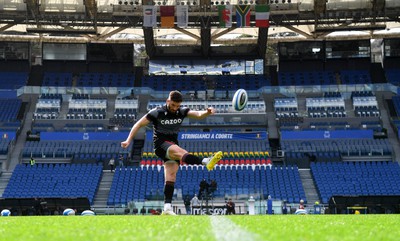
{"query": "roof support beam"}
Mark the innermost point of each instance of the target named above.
(296, 30)
(205, 33)
(111, 33)
(197, 38)
(262, 42)
(7, 26)
(217, 35)
(149, 41)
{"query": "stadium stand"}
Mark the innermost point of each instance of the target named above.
(125, 112)
(237, 181)
(221, 106)
(328, 108)
(88, 151)
(306, 78)
(13, 80)
(104, 79)
(54, 180)
(286, 107)
(366, 178)
(84, 107)
(48, 106)
(57, 79)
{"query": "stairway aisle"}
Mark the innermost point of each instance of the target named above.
(309, 186)
(100, 200)
(27, 125)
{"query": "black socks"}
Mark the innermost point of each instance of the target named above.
(191, 159)
(168, 191)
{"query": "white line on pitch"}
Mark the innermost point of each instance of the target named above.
(224, 229)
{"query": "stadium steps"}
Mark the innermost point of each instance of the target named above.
(137, 151)
(110, 107)
(100, 200)
(64, 109)
(348, 107)
(272, 126)
(143, 101)
(15, 153)
(4, 178)
(272, 123)
(309, 186)
(301, 105)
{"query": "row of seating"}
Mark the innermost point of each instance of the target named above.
(82, 107)
(331, 105)
(9, 109)
(4, 145)
(89, 149)
(122, 121)
(217, 82)
(393, 76)
(396, 103)
(306, 78)
(88, 79)
(355, 77)
(220, 145)
(253, 106)
(68, 127)
(352, 147)
(13, 80)
(225, 161)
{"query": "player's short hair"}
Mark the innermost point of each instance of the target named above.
(175, 96)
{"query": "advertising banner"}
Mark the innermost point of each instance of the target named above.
(335, 134)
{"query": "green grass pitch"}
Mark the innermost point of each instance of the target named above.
(171, 228)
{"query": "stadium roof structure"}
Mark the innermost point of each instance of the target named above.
(122, 21)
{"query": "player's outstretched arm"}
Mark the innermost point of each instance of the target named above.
(135, 128)
(201, 114)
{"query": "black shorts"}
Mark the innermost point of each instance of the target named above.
(161, 148)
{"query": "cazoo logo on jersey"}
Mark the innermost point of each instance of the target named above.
(171, 122)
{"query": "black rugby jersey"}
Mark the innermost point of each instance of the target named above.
(166, 125)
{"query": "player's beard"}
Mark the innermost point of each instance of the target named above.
(169, 110)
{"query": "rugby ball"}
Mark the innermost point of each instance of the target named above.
(5, 212)
(69, 212)
(239, 101)
(88, 213)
